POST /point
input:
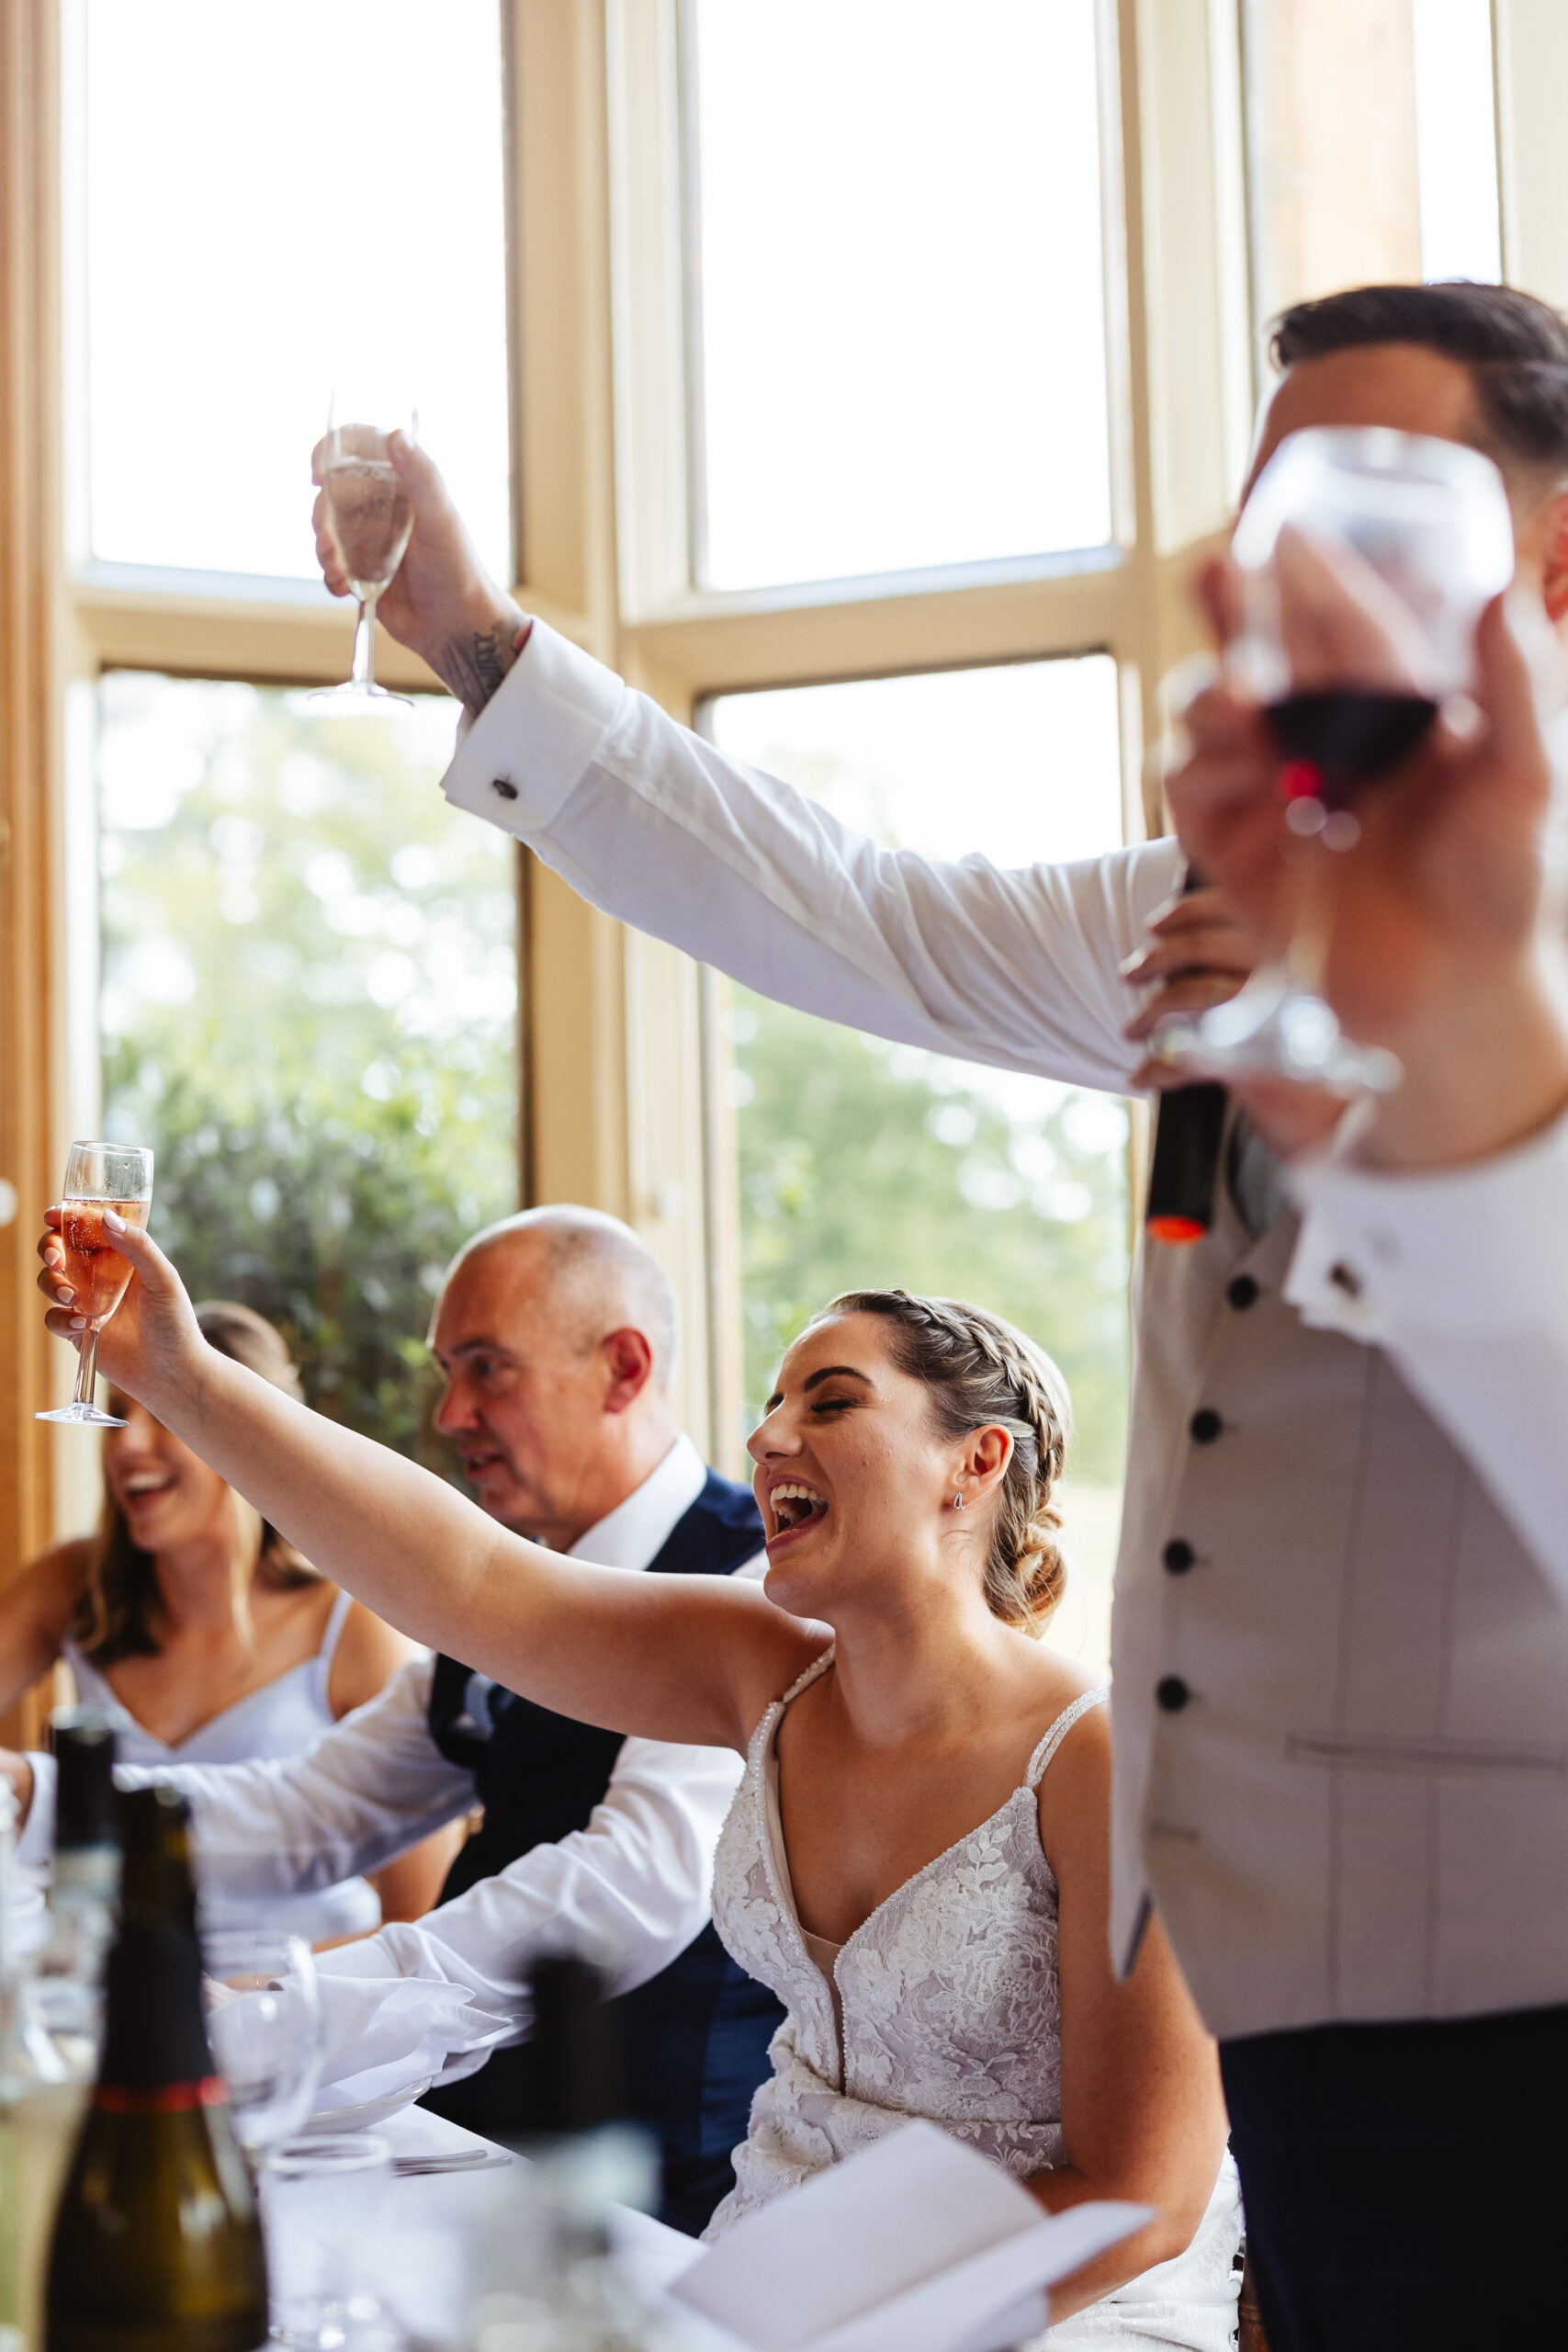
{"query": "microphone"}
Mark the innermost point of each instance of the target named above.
(1185, 1164)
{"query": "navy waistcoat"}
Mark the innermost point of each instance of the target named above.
(695, 2037)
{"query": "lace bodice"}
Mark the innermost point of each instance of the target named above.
(951, 2010)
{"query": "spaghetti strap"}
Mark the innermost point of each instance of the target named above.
(1059, 1730)
(817, 1666)
(773, 1711)
(335, 1624)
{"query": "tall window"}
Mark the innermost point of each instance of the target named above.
(899, 286)
(864, 1164)
(308, 1009)
(307, 996)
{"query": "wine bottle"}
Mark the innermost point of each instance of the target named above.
(584, 2159)
(84, 1888)
(156, 2247)
(54, 2014)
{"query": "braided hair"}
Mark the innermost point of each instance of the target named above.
(982, 1373)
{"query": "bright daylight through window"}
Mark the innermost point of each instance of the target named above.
(863, 1162)
(237, 252)
(896, 365)
(308, 1009)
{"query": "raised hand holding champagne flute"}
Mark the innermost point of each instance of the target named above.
(101, 1180)
(366, 515)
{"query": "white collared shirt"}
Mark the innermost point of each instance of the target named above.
(629, 1892)
(1462, 1277)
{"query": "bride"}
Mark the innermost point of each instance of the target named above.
(917, 1857)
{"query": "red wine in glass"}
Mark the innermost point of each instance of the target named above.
(1352, 739)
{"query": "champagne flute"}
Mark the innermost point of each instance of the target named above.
(265, 2025)
(1419, 530)
(369, 518)
(98, 1177)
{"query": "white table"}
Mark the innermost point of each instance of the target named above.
(428, 2224)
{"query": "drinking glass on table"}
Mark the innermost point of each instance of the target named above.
(369, 517)
(264, 2024)
(98, 1177)
(321, 2203)
(1415, 536)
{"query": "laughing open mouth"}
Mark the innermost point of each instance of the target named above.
(794, 1504)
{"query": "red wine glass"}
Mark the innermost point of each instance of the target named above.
(1366, 558)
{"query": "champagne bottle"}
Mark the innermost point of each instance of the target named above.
(156, 2247)
(53, 2016)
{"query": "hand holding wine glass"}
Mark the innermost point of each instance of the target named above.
(1445, 945)
(154, 1345)
(102, 1180)
(1363, 562)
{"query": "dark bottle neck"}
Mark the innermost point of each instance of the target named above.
(155, 2037)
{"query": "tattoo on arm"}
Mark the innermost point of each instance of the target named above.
(472, 665)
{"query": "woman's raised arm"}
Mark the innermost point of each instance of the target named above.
(687, 1658)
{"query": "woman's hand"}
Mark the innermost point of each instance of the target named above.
(151, 1345)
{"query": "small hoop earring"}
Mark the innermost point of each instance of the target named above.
(958, 1503)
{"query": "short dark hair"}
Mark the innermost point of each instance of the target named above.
(1513, 345)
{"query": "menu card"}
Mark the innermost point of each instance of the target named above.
(917, 2242)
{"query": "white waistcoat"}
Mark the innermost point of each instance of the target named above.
(1352, 1804)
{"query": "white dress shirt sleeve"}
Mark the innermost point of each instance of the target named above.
(371, 1786)
(1016, 968)
(1462, 1276)
(628, 1893)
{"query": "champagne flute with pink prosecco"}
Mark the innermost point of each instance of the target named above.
(98, 1177)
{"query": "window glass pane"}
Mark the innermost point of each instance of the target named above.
(1456, 134)
(309, 1010)
(263, 185)
(866, 1163)
(901, 285)
(1372, 142)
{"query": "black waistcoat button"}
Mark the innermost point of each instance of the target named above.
(1241, 1291)
(1178, 1555)
(1172, 1693)
(1205, 1425)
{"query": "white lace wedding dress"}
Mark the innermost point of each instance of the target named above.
(944, 2003)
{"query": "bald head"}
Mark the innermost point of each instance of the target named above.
(588, 1271)
(556, 1333)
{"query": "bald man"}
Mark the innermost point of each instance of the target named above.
(555, 1333)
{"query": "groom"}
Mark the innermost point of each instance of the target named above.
(1341, 1676)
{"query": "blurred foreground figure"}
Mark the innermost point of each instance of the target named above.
(1341, 1663)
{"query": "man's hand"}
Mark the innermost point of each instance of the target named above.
(1196, 954)
(442, 605)
(1446, 940)
(15, 1770)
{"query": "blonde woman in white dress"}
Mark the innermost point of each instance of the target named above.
(917, 1856)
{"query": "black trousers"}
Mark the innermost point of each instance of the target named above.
(1406, 2186)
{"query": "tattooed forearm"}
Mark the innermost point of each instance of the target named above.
(472, 663)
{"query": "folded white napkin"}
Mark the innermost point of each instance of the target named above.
(917, 2241)
(382, 2035)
